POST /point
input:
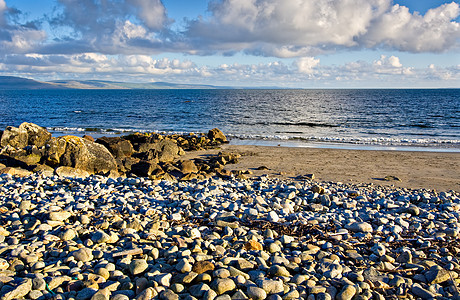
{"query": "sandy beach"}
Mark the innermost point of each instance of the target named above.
(416, 170)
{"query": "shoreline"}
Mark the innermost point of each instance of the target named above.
(416, 169)
(440, 146)
(346, 145)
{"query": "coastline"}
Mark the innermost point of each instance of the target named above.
(416, 169)
(143, 234)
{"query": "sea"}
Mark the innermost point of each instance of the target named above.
(377, 119)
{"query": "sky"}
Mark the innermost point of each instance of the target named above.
(242, 43)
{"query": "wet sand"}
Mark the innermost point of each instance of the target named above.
(416, 170)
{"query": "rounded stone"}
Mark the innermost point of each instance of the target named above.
(347, 293)
(360, 227)
(278, 270)
(256, 293)
(223, 285)
(138, 266)
(83, 254)
(68, 235)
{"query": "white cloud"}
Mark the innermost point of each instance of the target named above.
(96, 64)
(151, 12)
(290, 26)
(399, 29)
(296, 28)
(284, 29)
(109, 27)
(306, 64)
(128, 30)
(390, 65)
(444, 74)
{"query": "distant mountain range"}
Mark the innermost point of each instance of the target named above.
(18, 83)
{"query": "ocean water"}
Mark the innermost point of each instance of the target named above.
(427, 119)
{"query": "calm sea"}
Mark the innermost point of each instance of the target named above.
(418, 119)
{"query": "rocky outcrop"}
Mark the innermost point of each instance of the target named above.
(32, 148)
(25, 134)
(79, 153)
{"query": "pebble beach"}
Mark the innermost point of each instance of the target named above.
(149, 216)
(263, 238)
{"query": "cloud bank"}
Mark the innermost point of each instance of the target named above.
(384, 71)
(293, 28)
(289, 28)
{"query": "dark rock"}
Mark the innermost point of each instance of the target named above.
(79, 153)
(138, 140)
(165, 151)
(150, 155)
(168, 150)
(29, 159)
(144, 168)
(37, 135)
(117, 146)
(373, 275)
(11, 161)
(88, 137)
(188, 166)
(436, 274)
(127, 163)
(217, 135)
(146, 147)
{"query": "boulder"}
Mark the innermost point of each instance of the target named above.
(163, 151)
(44, 169)
(36, 135)
(29, 159)
(117, 146)
(71, 172)
(125, 164)
(144, 168)
(188, 166)
(150, 155)
(215, 135)
(15, 137)
(89, 138)
(79, 153)
(15, 172)
(24, 157)
(168, 150)
(139, 140)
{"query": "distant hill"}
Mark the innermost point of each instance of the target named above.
(18, 83)
(101, 84)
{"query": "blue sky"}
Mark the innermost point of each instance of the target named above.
(289, 43)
